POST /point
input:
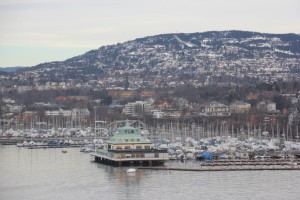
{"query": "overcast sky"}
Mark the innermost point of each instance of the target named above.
(37, 31)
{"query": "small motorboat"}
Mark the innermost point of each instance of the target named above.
(20, 145)
(85, 150)
(131, 170)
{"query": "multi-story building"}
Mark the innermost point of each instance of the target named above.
(128, 109)
(157, 114)
(136, 108)
(215, 109)
(266, 105)
(239, 107)
(129, 147)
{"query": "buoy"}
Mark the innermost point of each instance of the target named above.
(64, 150)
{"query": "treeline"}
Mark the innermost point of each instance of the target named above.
(99, 100)
(229, 94)
(29, 97)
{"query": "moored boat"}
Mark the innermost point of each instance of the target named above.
(85, 150)
(131, 170)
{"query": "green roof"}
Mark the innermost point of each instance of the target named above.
(128, 135)
(127, 139)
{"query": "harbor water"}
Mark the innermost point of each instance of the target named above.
(34, 174)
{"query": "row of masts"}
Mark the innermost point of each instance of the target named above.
(48, 123)
(171, 129)
(211, 130)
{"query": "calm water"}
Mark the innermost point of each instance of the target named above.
(50, 174)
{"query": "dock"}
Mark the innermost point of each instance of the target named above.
(53, 146)
(236, 165)
(16, 140)
(211, 169)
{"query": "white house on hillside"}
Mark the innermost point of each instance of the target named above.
(215, 109)
(239, 107)
(134, 108)
(267, 105)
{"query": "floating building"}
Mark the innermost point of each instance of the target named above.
(129, 147)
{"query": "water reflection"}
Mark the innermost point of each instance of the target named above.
(120, 174)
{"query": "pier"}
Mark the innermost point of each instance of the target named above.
(211, 169)
(52, 146)
(237, 165)
(15, 140)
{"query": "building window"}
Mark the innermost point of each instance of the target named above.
(119, 147)
(137, 140)
(156, 155)
(119, 156)
(127, 147)
(132, 140)
(109, 146)
(147, 147)
(126, 140)
(138, 147)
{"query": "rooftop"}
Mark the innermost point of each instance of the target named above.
(128, 135)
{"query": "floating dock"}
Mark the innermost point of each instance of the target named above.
(16, 140)
(237, 165)
(210, 169)
(52, 146)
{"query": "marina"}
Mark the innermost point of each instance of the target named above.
(129, 142)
